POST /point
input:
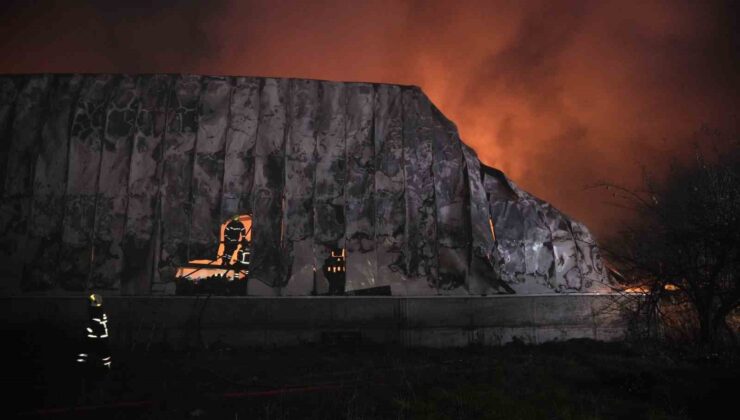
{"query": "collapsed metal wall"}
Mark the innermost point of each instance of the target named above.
(113, 181)
(538, 248)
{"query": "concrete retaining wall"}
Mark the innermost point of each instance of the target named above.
(279, 321)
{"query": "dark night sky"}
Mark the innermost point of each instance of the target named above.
(556, 94)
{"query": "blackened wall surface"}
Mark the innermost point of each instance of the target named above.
(538, 248)
(111, 182)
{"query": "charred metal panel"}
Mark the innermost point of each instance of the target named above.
(85, 150)
(420, 225)
(9, 207)
(509, 228)
(567, 274)
(538, 252)
(9, 87)
(300, 169)
(451, 195)
(482, 239)
(540, 249)
(390, 205)
(9, 269)
(269, 181)
(331, 173)
(241, 137)
(208, 170)
(509, 225)
(30, 106)
(50, 181)
(359, 208)
(176, 184)
(426, 184)
(590, 264)
(110, 218)
(483, 277)
(30, 112)
(496, 185)
(142, 236)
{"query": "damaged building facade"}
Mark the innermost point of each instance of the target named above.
(114, 182)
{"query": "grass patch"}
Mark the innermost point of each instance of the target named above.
(578, 379)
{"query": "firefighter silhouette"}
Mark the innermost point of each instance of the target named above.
(235, 246)
(335, 271)
(96, 350)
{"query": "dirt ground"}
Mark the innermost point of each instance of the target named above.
(579, 379)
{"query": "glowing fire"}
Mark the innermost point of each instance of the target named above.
(646, 289)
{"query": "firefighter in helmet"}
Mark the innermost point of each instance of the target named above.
(335, 271)
(96, 353)
(235, 240)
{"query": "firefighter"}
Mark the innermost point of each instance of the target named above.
(234, 240)
(335, 271)
(96, 355)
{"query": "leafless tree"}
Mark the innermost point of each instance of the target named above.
(685, 240)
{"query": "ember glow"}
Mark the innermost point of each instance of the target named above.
(556, 94)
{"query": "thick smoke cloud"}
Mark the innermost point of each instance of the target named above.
(556, 94)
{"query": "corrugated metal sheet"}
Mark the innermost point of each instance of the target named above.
(113, 181)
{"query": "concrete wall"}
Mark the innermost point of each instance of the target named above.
(441, 321)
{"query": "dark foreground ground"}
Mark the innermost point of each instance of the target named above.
(578, 379)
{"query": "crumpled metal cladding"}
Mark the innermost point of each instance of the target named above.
(541, 249)
(114, 181)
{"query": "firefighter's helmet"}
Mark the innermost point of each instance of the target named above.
(95, 299)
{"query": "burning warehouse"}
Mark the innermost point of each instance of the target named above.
(135, 183)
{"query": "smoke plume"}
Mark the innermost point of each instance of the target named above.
(558, 94)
